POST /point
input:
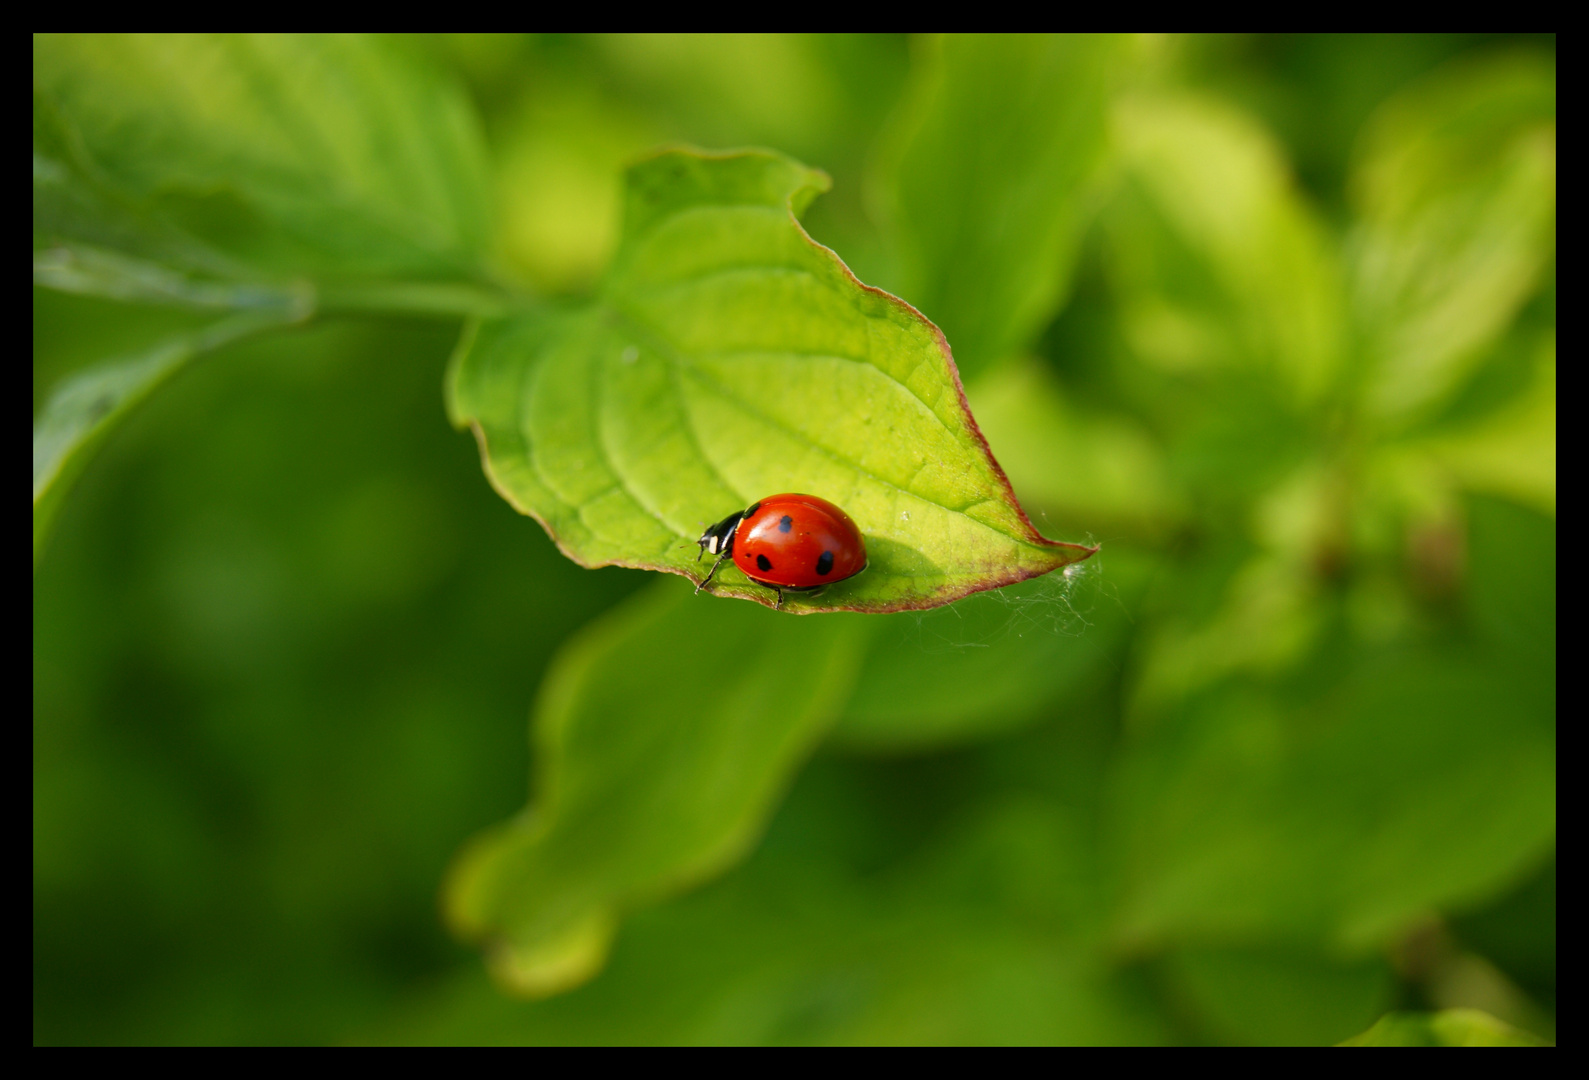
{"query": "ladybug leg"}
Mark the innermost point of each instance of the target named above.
(779, 602)
(719, 540)
(710, 572)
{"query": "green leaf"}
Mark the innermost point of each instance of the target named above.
(1420, 782)
(992, 173)
(84, 408)
(1518, 935)
(994, 662)
(75, 207)
(1453, 1027)
(1075, 466)
(333, 154)
(92, 271)
(664, 736)
(729, 357)
(1411, 779)
(1512, 451)
(798, 950)
(1456, 186)
(219, 173)
(1219, 262)
(1277, 996)
(1512, 591)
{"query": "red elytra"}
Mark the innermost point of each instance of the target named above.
(789, 541)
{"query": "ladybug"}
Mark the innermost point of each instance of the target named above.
(795, 542)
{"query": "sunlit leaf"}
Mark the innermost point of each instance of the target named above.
(1073, 466)
(1456, 185)
(663, 737)
(1511, 452)
(1453, 1027)
(730, 357)
(991, 173)
(1220, 263)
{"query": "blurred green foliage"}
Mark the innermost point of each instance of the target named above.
(1452, 1027)
(1271, 319)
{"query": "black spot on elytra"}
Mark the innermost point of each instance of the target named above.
(764, 563)
(785, 523)
(825, 562)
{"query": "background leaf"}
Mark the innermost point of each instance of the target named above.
(1440, 761)
(1453, 1027)
(633, 743)
(1456, 185)
(85, 407)
(1224, 266)
(730, 358)
(1511, 451)
(218, 172)
(804, 946)
(1335, 819)
(992, 169)
(1077, 467)
(288, 153)
(1279, 757)
(1278, 996)
(994, 662)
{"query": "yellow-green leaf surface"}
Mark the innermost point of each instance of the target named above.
(990, 175)
(1222, 264)
(729, 357)
(1071, 465)
(656, 767)
(1452, 1027)
(1456, 185)
(1511, 451)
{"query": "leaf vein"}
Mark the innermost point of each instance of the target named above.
(800, 436)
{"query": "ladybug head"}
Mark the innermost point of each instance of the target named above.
(719, 538)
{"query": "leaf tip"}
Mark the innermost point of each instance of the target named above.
(552, 966)
(457, 414)
(687, 175)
